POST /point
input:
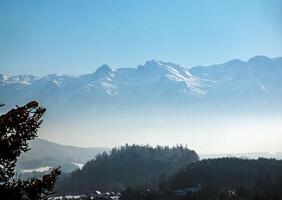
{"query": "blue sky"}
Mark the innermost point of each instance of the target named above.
(77, 36)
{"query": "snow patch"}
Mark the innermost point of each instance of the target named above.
(79, 165)
(40, 169)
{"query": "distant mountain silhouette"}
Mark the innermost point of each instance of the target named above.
(44, 155)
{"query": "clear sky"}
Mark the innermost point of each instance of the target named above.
(77, 36)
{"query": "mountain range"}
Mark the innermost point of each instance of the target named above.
(154, 101)
(257, 79)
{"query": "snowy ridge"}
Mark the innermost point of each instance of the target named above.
(259, 76)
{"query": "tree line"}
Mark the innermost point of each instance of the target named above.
(220, 179)
(133, 166)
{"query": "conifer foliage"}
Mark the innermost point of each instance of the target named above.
(17, 127)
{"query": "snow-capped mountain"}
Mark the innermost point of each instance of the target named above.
(155, 100)
(260, 76)
(155, 81)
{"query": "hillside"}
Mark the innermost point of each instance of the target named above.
(249, 178)
(44, 155)
(129, 166)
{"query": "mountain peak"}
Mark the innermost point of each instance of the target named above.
(235, 61)
(104, 69)
(152, 63)
(259, 59)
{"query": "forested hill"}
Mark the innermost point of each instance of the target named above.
(248, 178)
(128, 166)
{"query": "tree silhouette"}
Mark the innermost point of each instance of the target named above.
(17, 127)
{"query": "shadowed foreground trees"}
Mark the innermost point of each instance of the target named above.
(17, 127)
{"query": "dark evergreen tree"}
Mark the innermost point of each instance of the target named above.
(17, 127)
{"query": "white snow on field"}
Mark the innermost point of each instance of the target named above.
(40, 169)
(80, 165)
